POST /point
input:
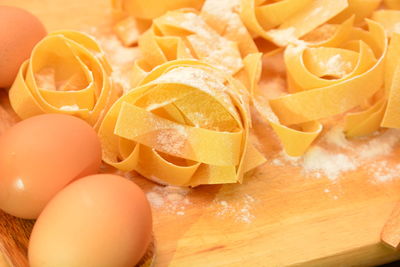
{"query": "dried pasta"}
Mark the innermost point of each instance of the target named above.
(186, 123)
(186, 119)
(134, 16)
(329, 56)
(186, 34)
(66, 73)
(389, 19)
(328, 79)
(391, 118)
(360, 9)
(393, 4)
(284, 22)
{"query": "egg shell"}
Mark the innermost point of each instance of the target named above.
(41, 155)
(20, 31)
(100, 220)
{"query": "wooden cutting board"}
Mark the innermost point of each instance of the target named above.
(277, 217)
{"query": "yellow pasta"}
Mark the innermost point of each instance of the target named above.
(295, 140)
(325, 81)
(150, 9)
(224, 17)
(361, 9)
(285, 21)
(394, 4)
(186, 123)
(389, 19)
(211, 37)
(391, 118)
(350, 70)
(184, 34)
(328, 60)
(66, 73)
(134, 16)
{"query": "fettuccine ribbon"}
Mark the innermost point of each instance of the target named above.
(344, 73)
(184, 34)
(186, 123)
(389, 18)
(285, 21)
(393, 4)
(360, 9)
(391, 118)
(66, 73)
(134, 16)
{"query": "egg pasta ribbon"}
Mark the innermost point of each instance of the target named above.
(224, 17)
(360, 9)
(393, 4)
(391, 117)
(389, 19)
(186, 124)
(66, 73)
(296, 139)
(134, 16)
(186, 34)
(324, 81)
(284, 22)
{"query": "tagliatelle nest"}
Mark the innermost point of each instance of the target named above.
(331, 78)
(186, 123)
(283, 22)
(66, 73)
(184, 34)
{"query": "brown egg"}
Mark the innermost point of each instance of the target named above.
(100, 220)
(40, 156)
(20, 31)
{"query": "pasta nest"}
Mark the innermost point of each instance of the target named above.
(66, 73)
(186, 123)
(339, 75)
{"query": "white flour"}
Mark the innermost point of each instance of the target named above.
(320, 160)
(344, 156)
(170, 199)
(381, 172)
(240, 209)
(177, 200)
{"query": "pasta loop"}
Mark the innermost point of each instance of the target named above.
(66, 73)
(186, 123)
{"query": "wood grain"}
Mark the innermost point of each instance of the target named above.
(391, 231)
(293, 220)
(15, 235)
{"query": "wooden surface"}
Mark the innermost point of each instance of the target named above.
(276, 217)
(391, 231)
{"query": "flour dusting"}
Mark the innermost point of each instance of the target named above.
(170, 199)
(334, 155)
(240, 208)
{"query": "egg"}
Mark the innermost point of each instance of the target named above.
(41, 155)
(20, 31)
(99, 220)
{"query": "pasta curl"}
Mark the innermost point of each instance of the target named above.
(186, 123)
(66, 73)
